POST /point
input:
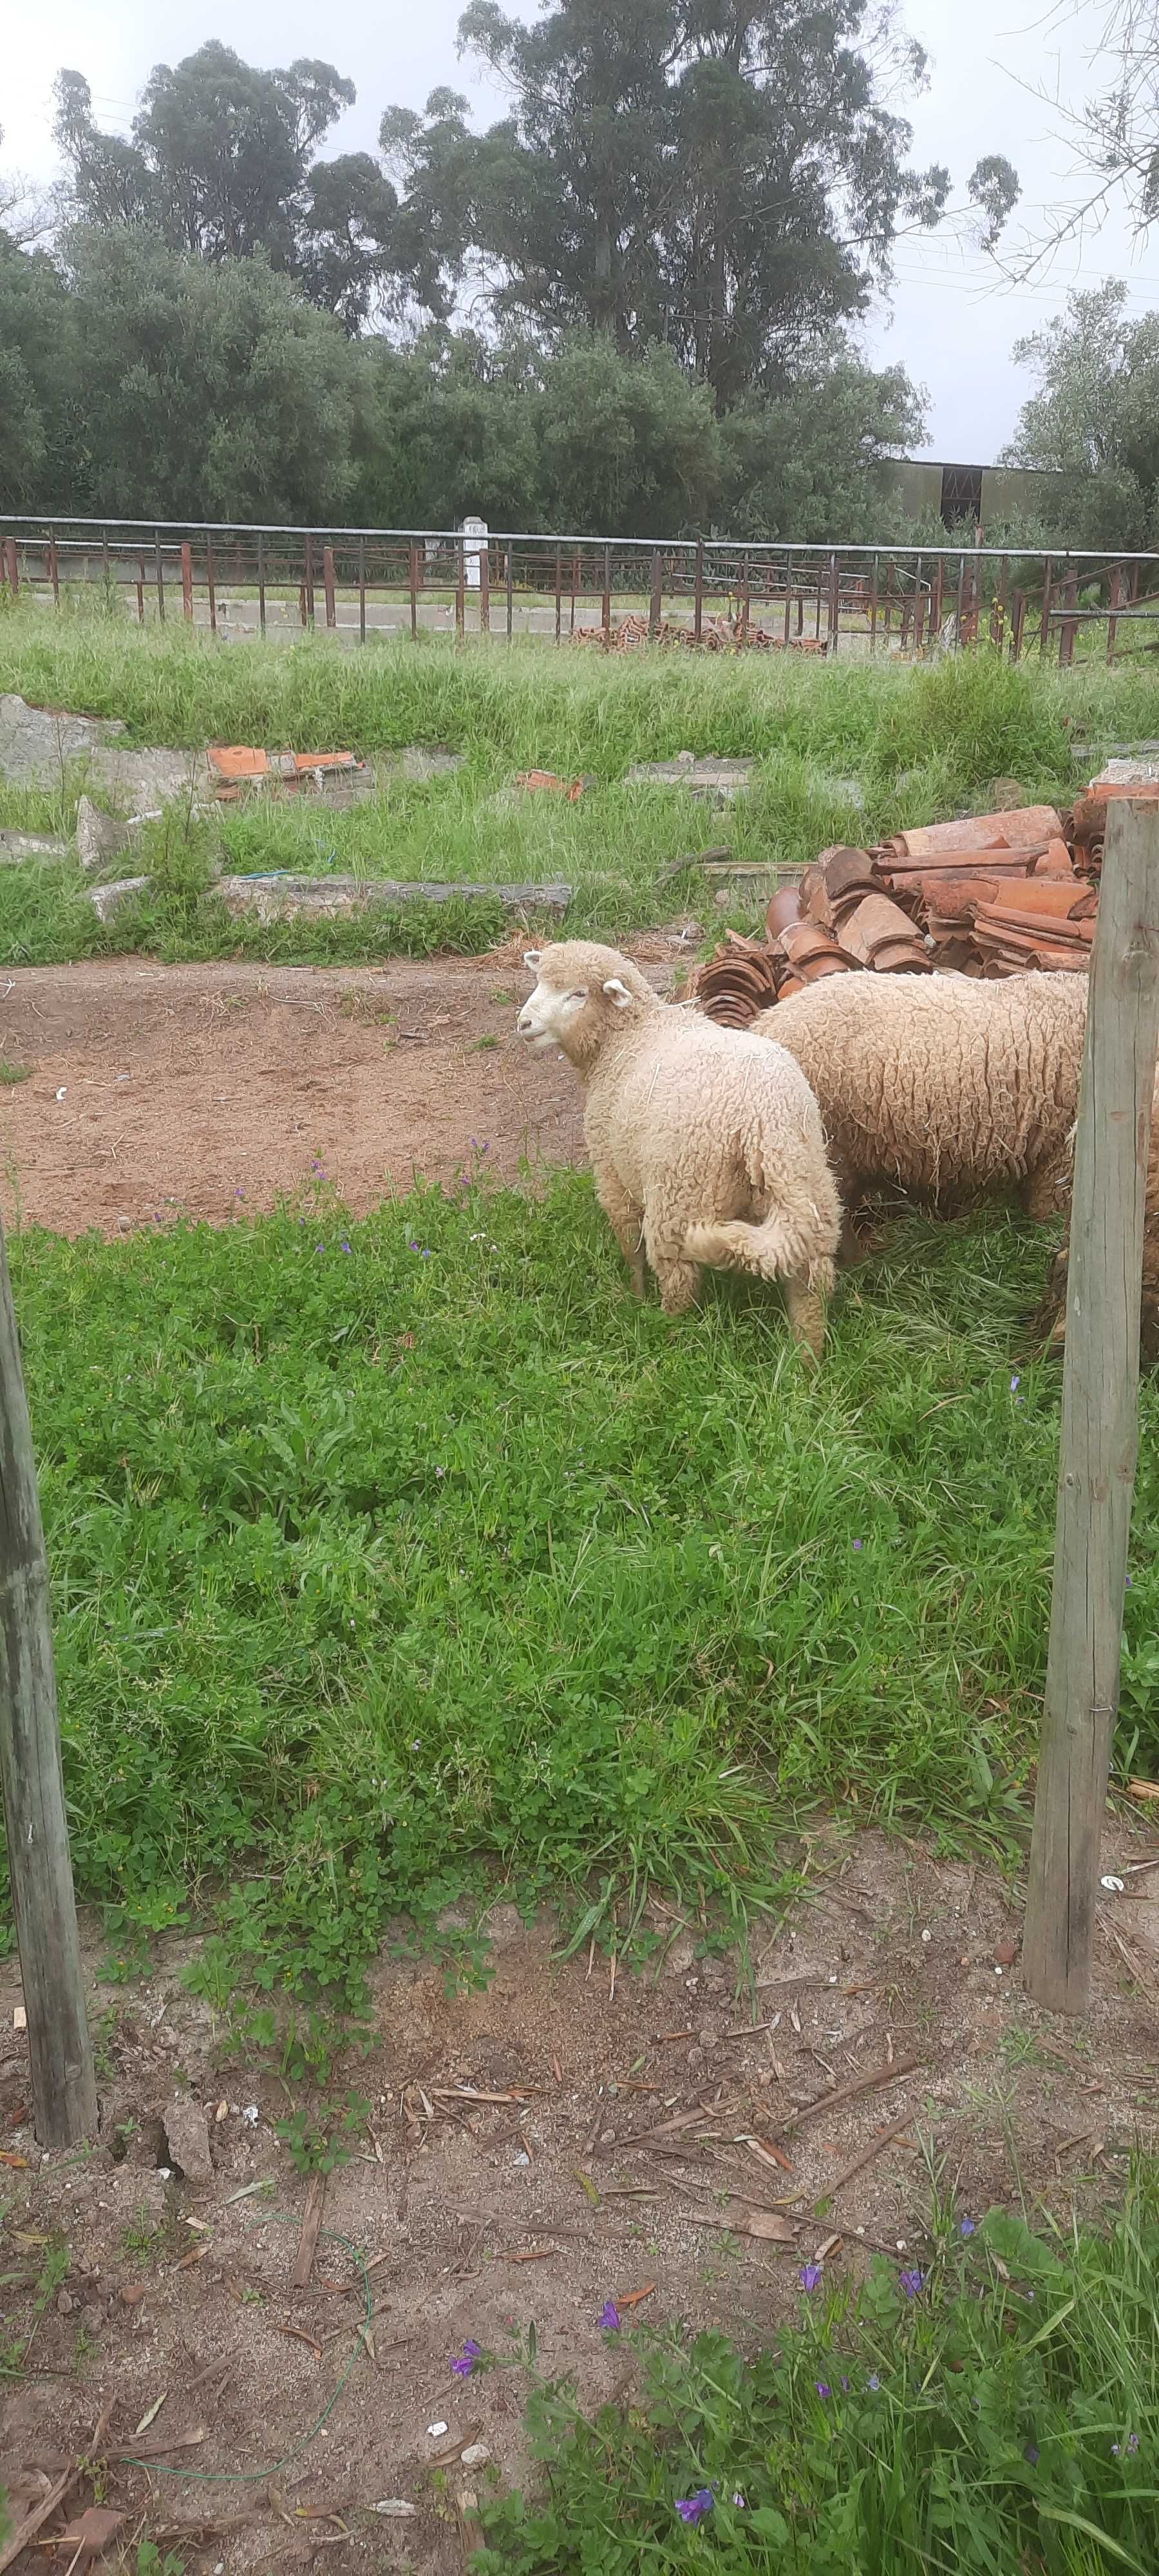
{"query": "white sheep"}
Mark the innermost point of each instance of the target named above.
(954, 1090)
(705, 1143)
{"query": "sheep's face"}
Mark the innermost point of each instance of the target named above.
(552, 1015)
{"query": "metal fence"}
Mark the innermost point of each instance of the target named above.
(615, 593)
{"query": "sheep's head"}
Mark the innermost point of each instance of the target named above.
(581, 995)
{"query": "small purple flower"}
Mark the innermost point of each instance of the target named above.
(1114, 2450)
(463, 2363)
(741, 2502)
(967, 2228)
(1130, 1584)
(693, 2508)
(610, 2317)
(823, 2388)
(1032, 2454)
(239, 1194)
(845, 2383)
(412, 1247)
(810, 2277)
(319, 1247)
(1014, 1386)
(858, 1543)
(911, 2282)
(426, 1253)
(873, 2382)
(345, 1245)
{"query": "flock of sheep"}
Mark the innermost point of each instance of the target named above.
(730, 1149)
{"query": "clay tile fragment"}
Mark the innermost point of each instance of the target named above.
(784, 908)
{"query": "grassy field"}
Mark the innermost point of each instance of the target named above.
(916, 743)
(389, 1555)
(998, 2410)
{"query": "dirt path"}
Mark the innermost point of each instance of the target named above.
(154, 1086)
(896, 1975)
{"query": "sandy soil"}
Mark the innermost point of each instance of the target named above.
(152, 1087)
(463, 2193)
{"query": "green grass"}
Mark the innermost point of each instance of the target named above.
(379, 1570)
(1004, 2417)
(918, 742)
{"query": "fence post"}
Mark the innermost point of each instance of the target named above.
(656, 604)
(53, 568)
(510, 595)
(1112, 621)
(187, 581)
(1100, 1425)
(745, 596)
(485, 587)
(461, 592)
(159, 573)
(362, 590)
(414, 591)
(140, 590)
(698, 594)
(211, 585)
(261, 582)
(64, 2101)
(328, 586)
(606, 614)
(1047, 584)
(1070, 592)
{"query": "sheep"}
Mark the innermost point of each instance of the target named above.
(705, 1143)
(954, 1090)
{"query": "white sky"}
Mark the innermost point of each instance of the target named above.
(951, 323)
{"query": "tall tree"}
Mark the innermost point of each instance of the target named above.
(1094, 418)
(211, 390)
(222, 163)
(722, 176)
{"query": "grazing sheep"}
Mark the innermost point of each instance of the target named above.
(705, 1143)
(953, 1090)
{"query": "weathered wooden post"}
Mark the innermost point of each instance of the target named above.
(1099, 1435)
(64, 2101)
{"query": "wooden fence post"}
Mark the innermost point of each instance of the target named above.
(64, 2101)
(1100, 1429)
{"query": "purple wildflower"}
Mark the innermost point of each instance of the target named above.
(319, 1247)
(693, 2508)
(610, 2317)
(823, 2388)
(426, 1253)
(967, 2228)
(810, 2276)
(873, 2382)
(845, 2383)
(239, 1194)
(911, 2282)
(1130, 1584)
(1014, 1386)
(345, 1245)
(858, 1543)
(463, 2363)
(741, 2502)
(412, 1247)
(1032, 2454)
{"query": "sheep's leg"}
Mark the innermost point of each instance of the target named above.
(678, 1277)
(1044, 1193)
(806, 1307)
(627, 1224)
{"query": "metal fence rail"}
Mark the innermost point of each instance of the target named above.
(360, 584)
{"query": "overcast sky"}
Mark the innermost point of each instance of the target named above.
(949, 321)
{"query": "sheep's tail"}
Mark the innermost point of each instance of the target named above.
(777, 1248)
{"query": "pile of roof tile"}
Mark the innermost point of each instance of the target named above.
(991, 895)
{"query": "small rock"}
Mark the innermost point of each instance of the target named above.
(475, 2456)
(132, 2294)
(437, 2429)
(99, 837)
(709, 2034)
(187, 2130)
(64, 2304)
(395, 2505)
(110, 899)
(504, 1923)
(92, 2317)
(681, 1956)
(1006, 1953)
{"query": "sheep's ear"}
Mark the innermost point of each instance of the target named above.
(531, 957)
(618, 993)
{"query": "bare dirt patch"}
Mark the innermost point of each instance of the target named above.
(476, 2207)
(156, 1087)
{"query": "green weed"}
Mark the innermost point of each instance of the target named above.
(13, 1073)
(849, 750)
(319, 2139)
(997, 2408)
(388, 1554)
